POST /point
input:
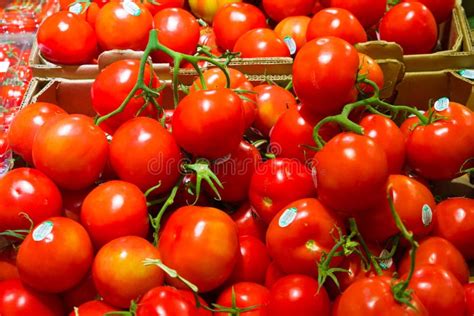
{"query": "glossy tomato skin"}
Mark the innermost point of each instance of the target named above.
(358, 156)
(368, 12)
(338, 23)
(93, 308)
(454, 221)
(201, 244)
(411, 25)
(17, 299)
(26, 190)
(294, 27)
(261, 42)
(118, 27)
(216, 120)
(119, 273)
(242, 16)
(249, 223)
(156, 6)
(280, 9)
(298, 295)
(370, 68)
(82, 293)
(207, 9)
(65, 38)
(300, 233)
(469, 295)
(442, 9)
(273, 274)
(333, 85)
(26, 124)
(66, 253)
(72, 202)
(276, 183)
(86, 147)
(247, 294)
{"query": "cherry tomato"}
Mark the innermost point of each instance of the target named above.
(93, 308)
(84, 292)
(261, 42)
(65, 38)
(442, 9)
(249, 223)
(4, 145)
(368, 67)
(247, 294)
(201, 244)
(273, 274)
(280, 9)
(293, 28)
(155, 6)
(469, 295)
(368, 12)
(411, 25)
(12, 94)
(207, 9)
(119, 273)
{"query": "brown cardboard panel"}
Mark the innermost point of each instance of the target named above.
(468, 42)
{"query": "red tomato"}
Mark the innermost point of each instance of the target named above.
(86, 147)
(178, 30)
(93, 308)
(123, 25)
(249, 223)
(55, 256)
(201, 244)
(261, 42)
(273, 274)
(206, 9)
(65, 38)
(293, 28)
(368, 67)
(247, 294)
(411, 25)
(242, 16)
(12, 94)
(4, 145)
(215, 118)
(8, 270)
(119, 273)
(72, 202)
(276, 183)
(208, 38)
(20, 72)
(442, 9)
(18, 300)
(368, 12)
(156, 155)
(154, 6)
(29, 191)
(83, 292)
(300, 233)
(87, 11)
(454, 221)
(366, 164)
(324, 74)
(469, 295)
(280, 9)
(438, 251)
(26, 124)
(298, 295)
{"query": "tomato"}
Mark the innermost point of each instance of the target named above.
(207, 9)
(72, 202)
(201, 244)
(4, 145)
(65, 38)
(259, 43)
(438, 290)
(8, 270)
(55, 256)
(368, 12)
(370, 68)
(280, 9)
(86, 147)
(155, 6)
(119, 273)
(123, 25)
(442, 9)
(324, 74)
(454, 221)
(249, 223)
(25, 190)
(178, 30)
(19, 300)
(156, 155)
(298, 295)
(299, 235)
(12, 94)
(276, 183)
(411, 25)
(273, 274)
(469, 295)
(208, 38)
(86, 11)
(186, 195)
(242, 16)
(215, 118)
(293, 30)
(366, 164)
(93, 308)
(438, 251)
(20, 72)
(82, 293)
(247, 294)
(26, 124)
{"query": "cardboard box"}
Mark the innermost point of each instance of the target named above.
(466, 27)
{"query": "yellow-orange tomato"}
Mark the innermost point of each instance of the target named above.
(369, 68)
(206, 9)
(293, 28)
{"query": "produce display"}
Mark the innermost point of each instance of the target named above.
(227, 196)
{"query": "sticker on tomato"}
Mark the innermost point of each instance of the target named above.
(131, 8)
(76, 8)
(42, 231)
(290, 43)
(442, 104)
(287, 217)
(426, 215)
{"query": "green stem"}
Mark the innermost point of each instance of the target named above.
(370, 257)
(156, 222)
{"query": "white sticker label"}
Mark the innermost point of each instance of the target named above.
(4, 66)
(442, 104)
(426, 215)
(76, 8)
(388, 263)
(467, 73)
(287, 217)
(42, 231)
(132, 8)
(290, 42)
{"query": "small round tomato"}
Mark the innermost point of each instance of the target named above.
(55, 256)
(273, 274)
(29, 191)
(84, 292)
(65, 38)
(123, 25)
(86, 147)
(293, 28)
(411, 25)
(469, 295)
(92, 308)
(201, 244)
(280, 9)
(119, 273)
(369, 68)
(368, 12)
(248, 222)
(442, 9)
(155, 6)
(298, 295)
(247, 294)
(207, 9)
(11, 93)
(261, 42)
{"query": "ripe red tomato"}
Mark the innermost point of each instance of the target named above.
(154, 6)
(242, 16)
(72, 202)
(273, 274)
(84, 292)
(259, 43)
(248, 222)
(208, 38)
(469, 295)
(324, 74)
(29, 191)
(361, 158)
(411, 25)
(442, 9)
(247, 294)
(12, 93)
(215, 118)
(86, 147)
(123, 25)
(298, 295)
(280, 9)
(201, 244)
(55, 256)
(293, 28)
(368, 12)
(276, 183)
(19, 300)
(454, 221)
(119, 273)
(370, 68)
(300, 233)
(8, 270)
(26, 124)
(93, 308)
